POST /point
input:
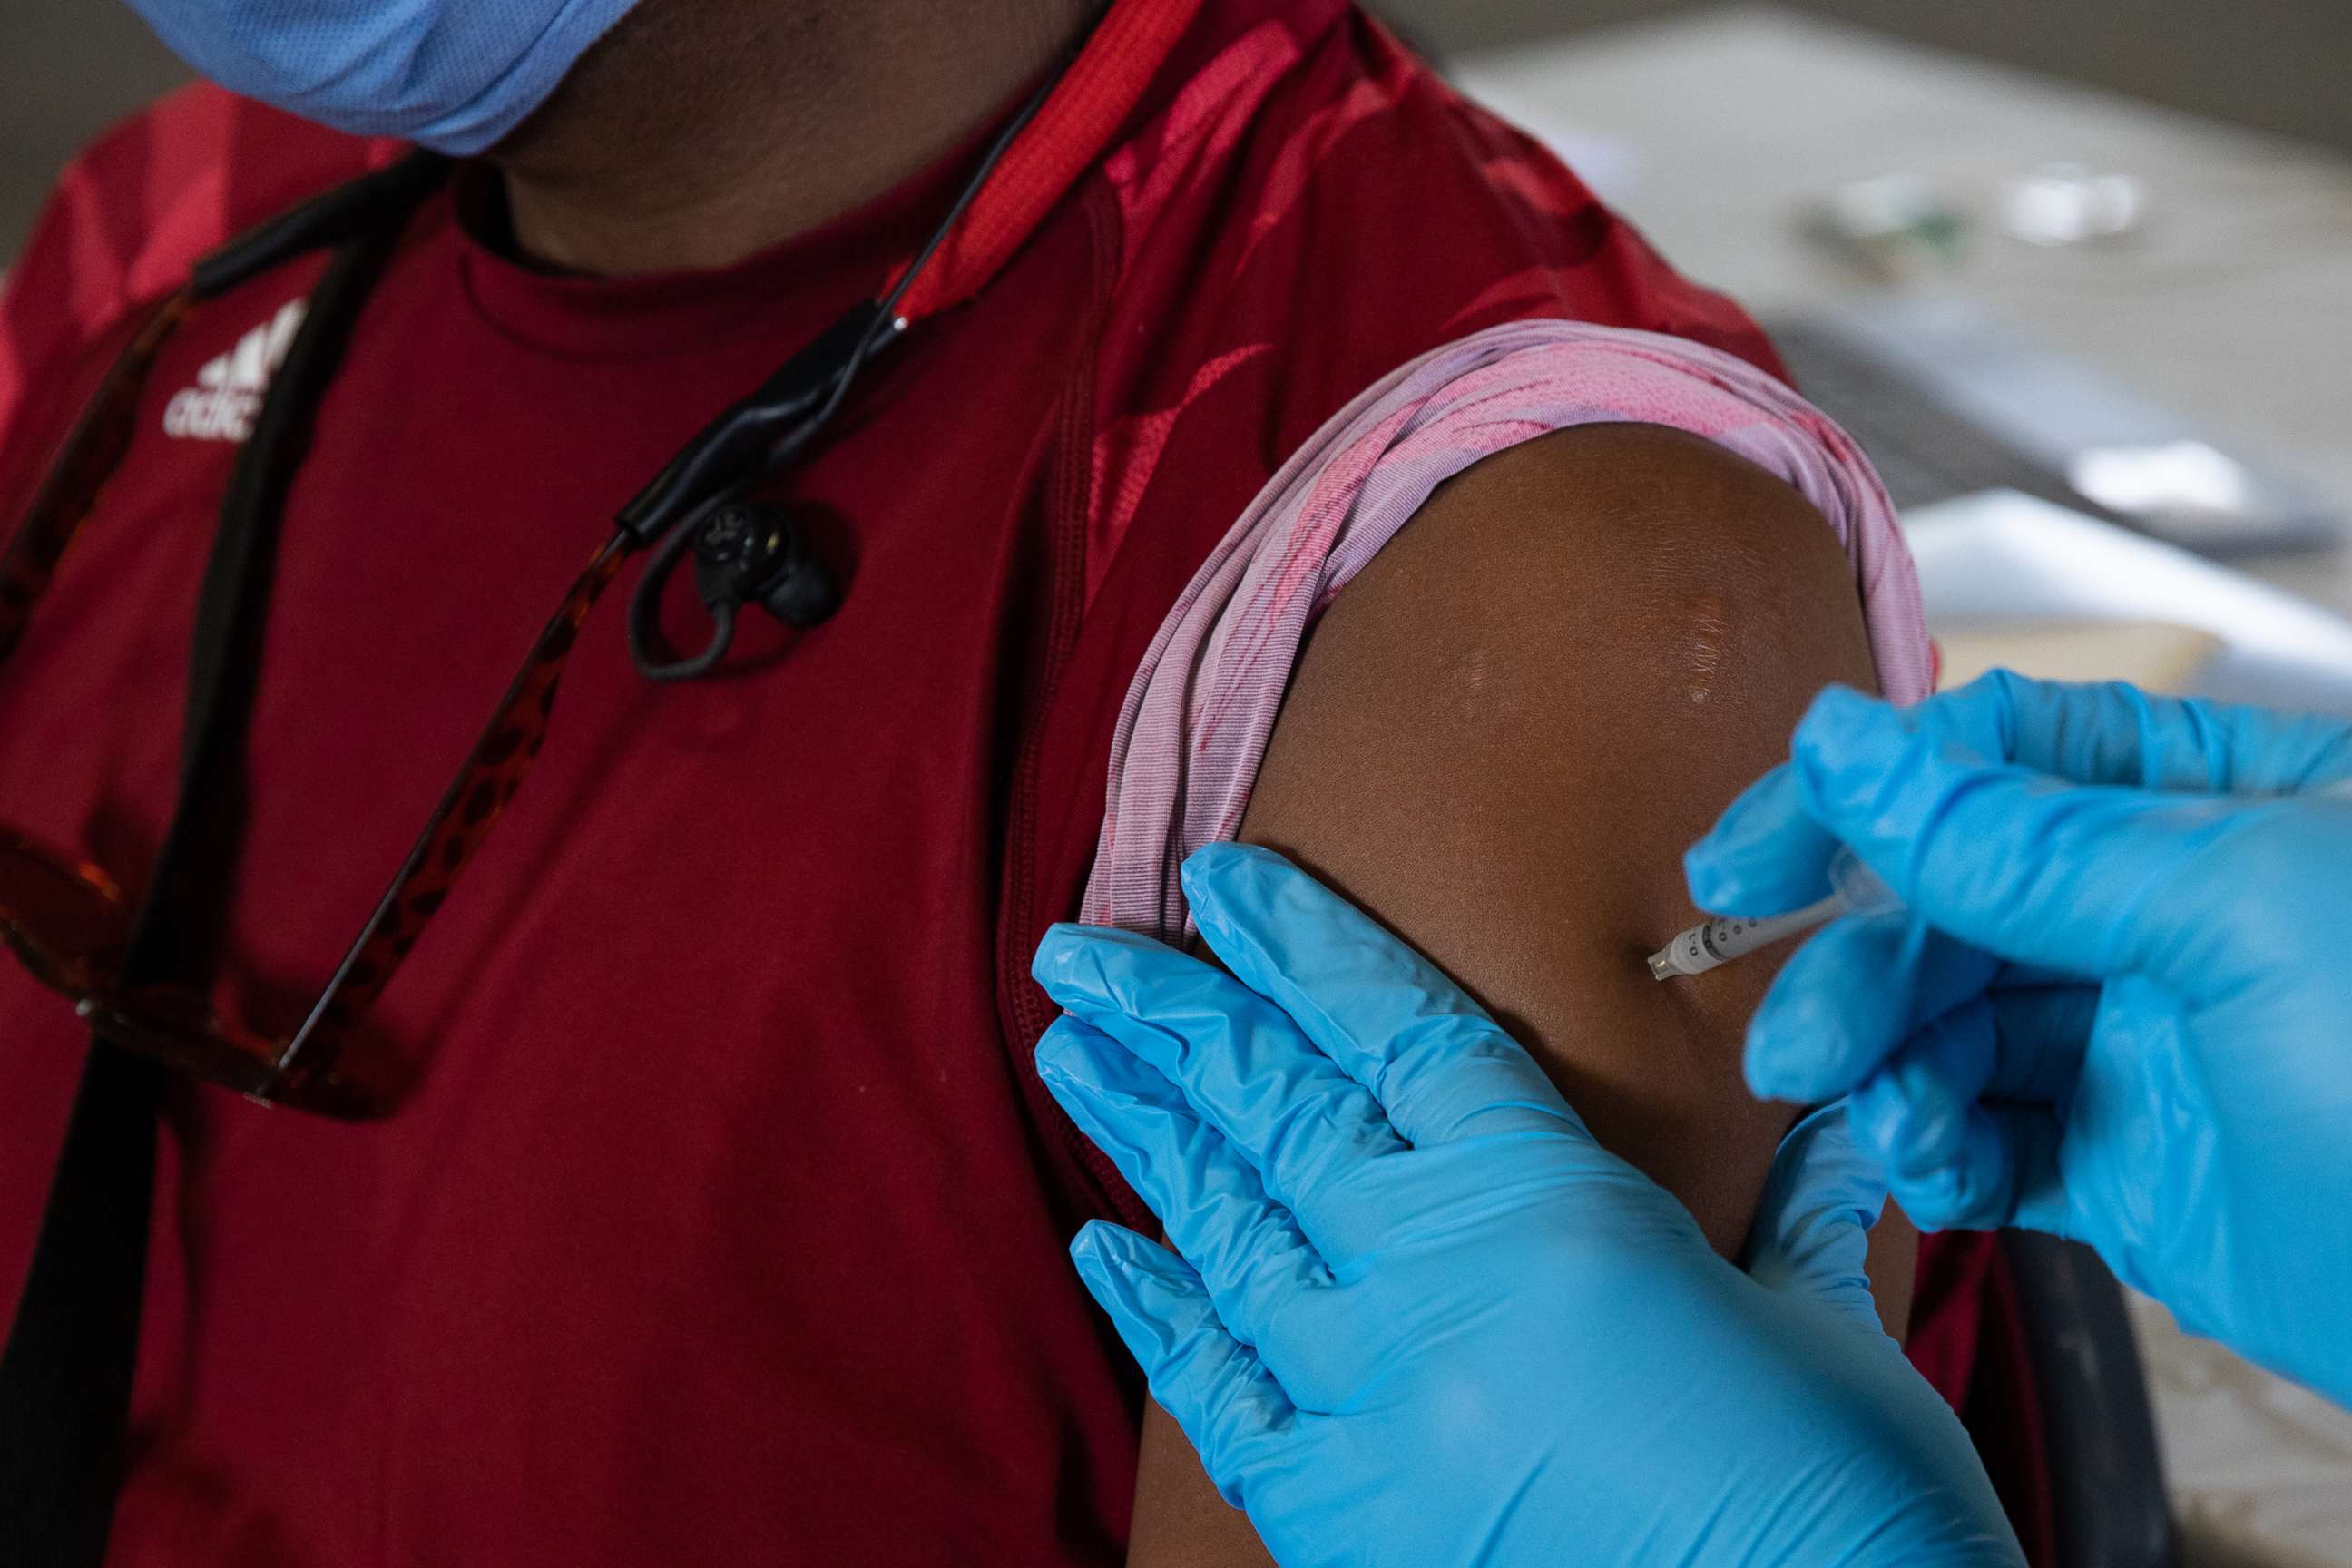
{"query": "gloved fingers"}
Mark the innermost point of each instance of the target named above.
(1933, 1113)
(1914, 1109)
(1246, 1247)
(1393, 1021)
(1847, 999)
(1966, 1119)
(2022, 1043)
(1811, 1232)
(1765, 855)
(2115, 734)
(2028, 1138)
(2039, 1033)
(2091, 879)
(1235, 1056)
(1768, 852)
(1229, 1405)
(2007, 1176)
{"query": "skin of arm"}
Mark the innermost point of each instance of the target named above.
(1499, 740)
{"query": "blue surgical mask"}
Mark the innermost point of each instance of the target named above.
(453, 75)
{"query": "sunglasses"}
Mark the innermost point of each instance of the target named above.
(71, 923)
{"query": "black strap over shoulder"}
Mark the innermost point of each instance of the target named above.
(349, 212)
(66, 1374)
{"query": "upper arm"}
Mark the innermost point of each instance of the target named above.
(1502, 735)
(1499, 740)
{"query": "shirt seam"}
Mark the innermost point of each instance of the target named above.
(1022, 1010)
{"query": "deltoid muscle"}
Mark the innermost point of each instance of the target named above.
(1195, 723)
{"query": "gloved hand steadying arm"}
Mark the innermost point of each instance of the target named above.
(1416, 1316)
(2119, 1005)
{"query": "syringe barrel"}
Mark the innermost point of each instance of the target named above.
(1712, 944)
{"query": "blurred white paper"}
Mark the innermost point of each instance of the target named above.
(2003, 557)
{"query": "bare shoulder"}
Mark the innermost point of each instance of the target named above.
(1506, 730)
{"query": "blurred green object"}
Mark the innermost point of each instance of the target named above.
(1895, 228)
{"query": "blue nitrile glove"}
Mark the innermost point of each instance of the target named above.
(2119, 1008)
(1421, 1319)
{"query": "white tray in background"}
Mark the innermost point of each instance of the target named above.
(2009, 578)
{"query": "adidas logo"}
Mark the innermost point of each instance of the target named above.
(228, 394)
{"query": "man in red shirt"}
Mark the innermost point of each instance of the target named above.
(722, 1217)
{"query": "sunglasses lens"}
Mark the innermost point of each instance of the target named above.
(180, 1030)
(66, 920)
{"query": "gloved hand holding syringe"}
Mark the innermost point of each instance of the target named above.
(1856, 890)
(2102, 1008)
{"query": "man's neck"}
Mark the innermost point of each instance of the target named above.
(702, 131)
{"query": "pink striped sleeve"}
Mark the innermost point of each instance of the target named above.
(1197, 717)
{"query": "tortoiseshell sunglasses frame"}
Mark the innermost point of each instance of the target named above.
(174, 1025)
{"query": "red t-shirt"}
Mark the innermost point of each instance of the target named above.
(726, 1220)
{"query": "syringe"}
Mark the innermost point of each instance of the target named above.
(1718, 942)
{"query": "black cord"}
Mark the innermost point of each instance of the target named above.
(648, 648)
(886, 317)
(654, 658)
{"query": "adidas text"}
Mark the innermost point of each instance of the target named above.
(229, 391)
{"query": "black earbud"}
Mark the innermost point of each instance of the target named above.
(745, 552)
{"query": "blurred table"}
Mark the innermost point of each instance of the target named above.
(2232, 304)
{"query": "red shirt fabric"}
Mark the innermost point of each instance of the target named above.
(725, 1221)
